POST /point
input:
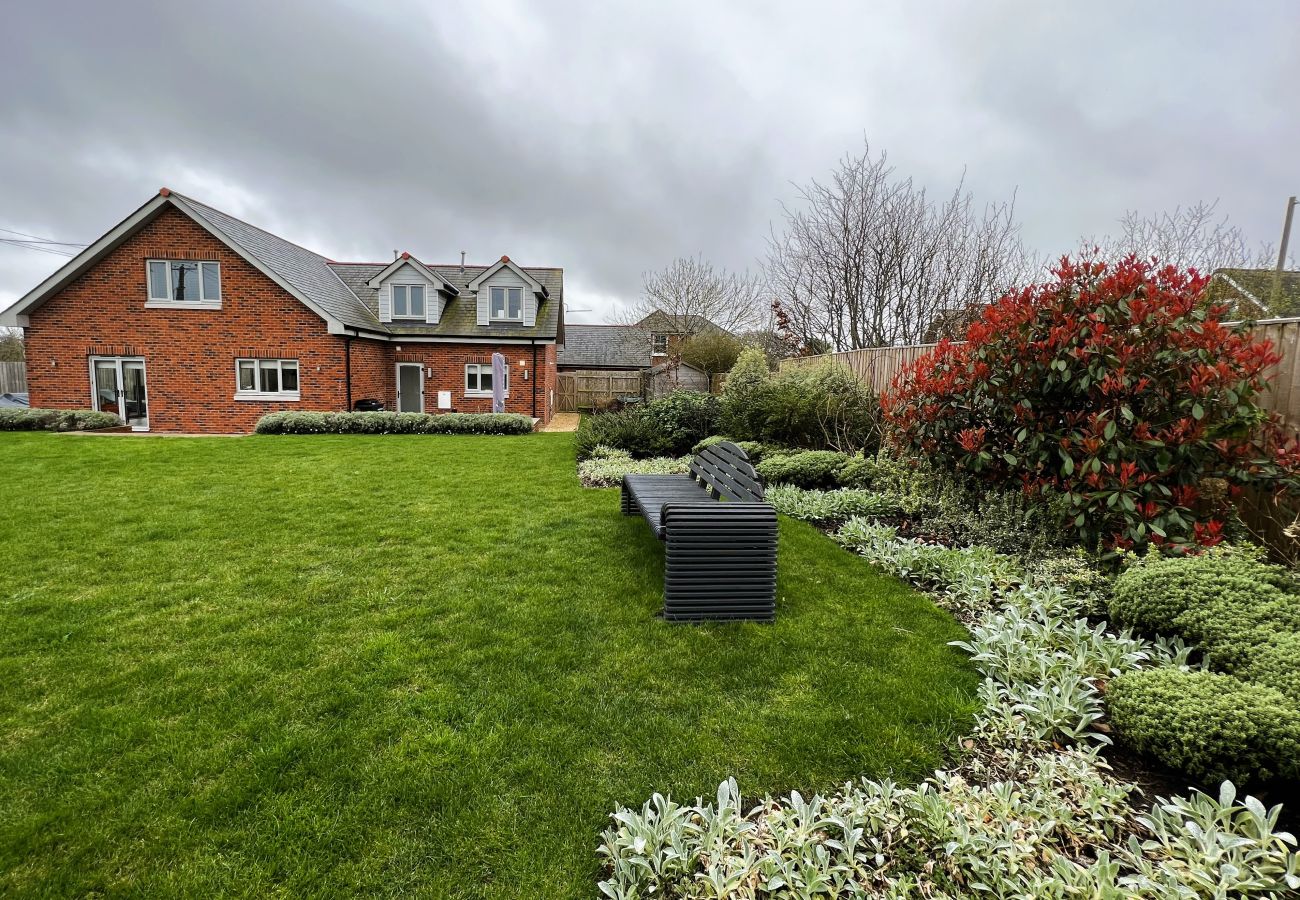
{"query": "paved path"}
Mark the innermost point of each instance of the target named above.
(567, 421)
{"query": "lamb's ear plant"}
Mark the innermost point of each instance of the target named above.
(1029, 808)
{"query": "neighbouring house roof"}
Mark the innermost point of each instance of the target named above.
(605, 347)
(335, 291)
(685, 323)
(1251, 291)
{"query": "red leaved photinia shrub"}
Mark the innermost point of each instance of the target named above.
(1115, 386)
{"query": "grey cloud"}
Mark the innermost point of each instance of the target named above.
(609, 138)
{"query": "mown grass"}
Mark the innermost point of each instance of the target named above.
(388, 665)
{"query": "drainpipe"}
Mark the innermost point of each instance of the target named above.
(534, 343)
(347, 368)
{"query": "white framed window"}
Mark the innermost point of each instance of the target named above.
(478, 380)
(183, 284)
(659, 344)
(507, 304)
(408, 301)
(266, 379)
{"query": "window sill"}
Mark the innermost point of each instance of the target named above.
(420, 319)
(480, 395)
(290, 396)
(505, 321)
(182, 304)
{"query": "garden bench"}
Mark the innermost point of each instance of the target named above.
(719, 536)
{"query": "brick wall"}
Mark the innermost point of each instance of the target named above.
(372, 372)
(189, 353)
(444, 370)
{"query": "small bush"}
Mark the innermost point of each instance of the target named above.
(56, 420)
(681, 420)
(393, 423)
(1244, 613)
(626, 429)
(608, 471)
(809, 469)
(859, 472)
(825, 408)
(742, 394)
(828, 507)
(1211, 726)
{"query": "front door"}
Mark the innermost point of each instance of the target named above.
(117, 386)
(410, 387)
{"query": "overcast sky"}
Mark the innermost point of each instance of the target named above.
(610, 137)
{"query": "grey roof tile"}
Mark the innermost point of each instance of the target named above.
(309, 273)
(340, 289)
(605, 346)
(460, 314)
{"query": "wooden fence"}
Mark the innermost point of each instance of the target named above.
(584, 389)
(877, 366)
(13, 378)
(874, 367)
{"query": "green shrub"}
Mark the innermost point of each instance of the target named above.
(625, 429)
(823, 408)
(1211, 726)
(681, 420)
(859, 472)
(809, 469)
(393, 423)
(25, 419)
(828, 507)
(608, 471)
(1239, 610)
(754, 450)
(708, 442)
(742, 392)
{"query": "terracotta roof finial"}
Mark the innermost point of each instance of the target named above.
(165, 192)
(505, 259)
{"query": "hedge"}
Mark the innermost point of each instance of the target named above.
(1211, 726)
(23, 419)
(393, 423)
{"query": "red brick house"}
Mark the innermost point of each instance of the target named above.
(185, 319)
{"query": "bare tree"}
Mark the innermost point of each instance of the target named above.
(868, 259)
(1191, 237)
(695, 296)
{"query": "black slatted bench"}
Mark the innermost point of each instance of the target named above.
(720, 557)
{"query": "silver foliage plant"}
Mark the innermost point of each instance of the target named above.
(1029, 810)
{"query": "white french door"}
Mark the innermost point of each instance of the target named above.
(410, 387)
(117, 386)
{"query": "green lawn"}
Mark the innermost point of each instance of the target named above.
(393, 665)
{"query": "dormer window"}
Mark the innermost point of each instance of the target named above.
(408, 301)
(508, 304)
(184, 283)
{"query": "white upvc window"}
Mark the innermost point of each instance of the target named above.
(478, 380)
(183, 284)
(659, 344)
(408, 301)
(266, 379)
(507, 304)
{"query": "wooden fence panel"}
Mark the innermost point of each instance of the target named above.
(13, 378)
(874, 366)
(585, 389)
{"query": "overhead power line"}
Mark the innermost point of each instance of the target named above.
(43, 245)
